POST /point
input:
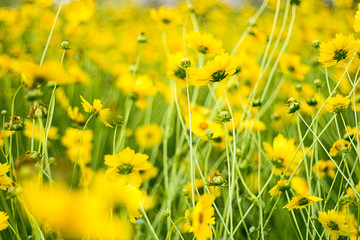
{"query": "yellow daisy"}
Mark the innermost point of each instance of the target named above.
(204, 43)
(199, 219)
(96, 109)
(3, 220)
(301, 201)
(340, 48)
(337, 104)
(334, 223)
(126, 165)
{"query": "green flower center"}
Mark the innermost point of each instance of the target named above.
(340, 55)
(180, 73)
(219, 76)
(125, 169)
(277, 162)
(303, 201)
(165, 21)
(333, 226)
(291, 69)
(203, 49)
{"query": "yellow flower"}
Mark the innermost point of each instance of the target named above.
(253, 125)
(200, 125)
(61, 98)
(216, 70)
(5, 181)
(204, 43)
(281, 154)
(334, 223)
(75, 115)
(71, 141)
(337, 104)
(148, 136)
(325, 168)
(96, 108)
(340, 48)
(281, 186)
(301, 201)
(3, 220)
(336, 147)
(165, 17)
(199, 219)
(126, 165)
(53, 131)
(357, 20)
(291, 65)
(300, 185)
(3, 136)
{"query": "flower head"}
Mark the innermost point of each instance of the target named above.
(301, 201)
(334, 223)
(200, 217)
(280, 187)
(96, 109)
(340, 48)
(126, 165)
(337, 104)
(148, 135)
(204, 43)
(216, 70)
(3, 220)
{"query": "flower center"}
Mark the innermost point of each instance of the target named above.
(203, 49)
(291, 69)
(219, 75)
(165, 21)
(303, 201)
(125, 169)
(203, 125)
(340, 55)
(333, 226)
(180, 73)
(277, 162)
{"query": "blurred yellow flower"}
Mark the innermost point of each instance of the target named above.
(71, 141)
(204, 43)
(291, 66)
(199, 219)
(280, 187)
(337, 146)
(3, 220)
(283, 155)
(38, 134)
(148, 136)
(324, 168)
(165, 17)
(5, 181)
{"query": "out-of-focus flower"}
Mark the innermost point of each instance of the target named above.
(204, 43)
(148, 136)
(199, 219)
(337, 104)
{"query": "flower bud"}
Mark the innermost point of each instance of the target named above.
(3, 112)
(38, 111)
(185, 63)
(346, 199)
(298, 87)
(119, 120)
(312, 101)
(318, 83)
(209, 133)
(257, 102)
(15, 124)
(142, 38)
(65, 46)
(166, 213)
(216, 179)
(224, 117)
(316, 44)
(294, 105)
